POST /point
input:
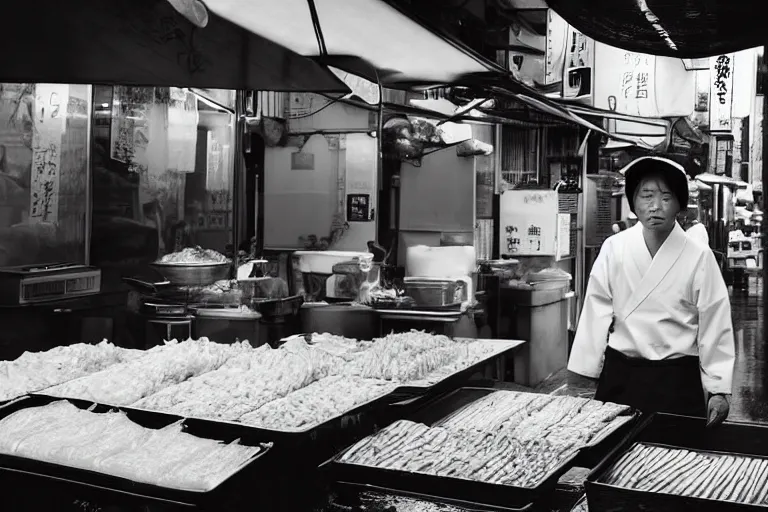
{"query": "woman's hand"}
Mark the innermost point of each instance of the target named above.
(717, 410)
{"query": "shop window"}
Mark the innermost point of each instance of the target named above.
(43, 173)
(163, 161)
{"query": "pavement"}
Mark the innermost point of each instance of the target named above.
(750, 386)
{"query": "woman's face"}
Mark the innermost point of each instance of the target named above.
(656, 206)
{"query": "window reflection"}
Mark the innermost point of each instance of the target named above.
(162, 175)
(43, 173)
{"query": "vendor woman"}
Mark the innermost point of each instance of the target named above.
(655, 330)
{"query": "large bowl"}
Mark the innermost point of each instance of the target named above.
(190, 274)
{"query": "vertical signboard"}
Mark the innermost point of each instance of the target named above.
(577, 74)
(557, 34)
(51, 102)
(570, 57)
(721, 92)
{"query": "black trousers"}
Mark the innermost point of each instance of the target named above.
(671, 385)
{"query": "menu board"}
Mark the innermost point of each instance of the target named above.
(528, 222)
(358, 208)
(130, 124)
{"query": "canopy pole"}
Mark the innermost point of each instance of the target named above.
(239, 199)
(764, 223)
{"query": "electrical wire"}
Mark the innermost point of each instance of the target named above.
(318, 29)
(333, 101)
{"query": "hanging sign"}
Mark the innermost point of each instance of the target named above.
(557, 33)
(51, 102)
(625, 82)
(721, 92)
(577, 75)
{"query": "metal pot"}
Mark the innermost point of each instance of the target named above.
(193, 274)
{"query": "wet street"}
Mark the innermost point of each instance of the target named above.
(750, 386)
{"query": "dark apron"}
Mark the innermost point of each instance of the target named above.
(671, 385)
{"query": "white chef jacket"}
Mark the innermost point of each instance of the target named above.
(698, 232)
(672, 305)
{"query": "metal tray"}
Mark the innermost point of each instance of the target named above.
(395, 307)
(86, 483)
(678, 432)
(453, 488)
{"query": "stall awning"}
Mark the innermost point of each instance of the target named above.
(648, 133)
(146, 42)
(547, 106)
(684, 29)
(358, 36)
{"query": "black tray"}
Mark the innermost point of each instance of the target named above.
(680, 432)
(311, 446)
(451, 488)
(87, 485)
(593, 455)
(581, 500)
(347, 493)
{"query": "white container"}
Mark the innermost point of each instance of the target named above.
(322, 262)
(453, 261)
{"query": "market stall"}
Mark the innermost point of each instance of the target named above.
(364, 425)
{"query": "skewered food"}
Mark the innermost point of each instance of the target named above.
(317, 403)
(564, 421)
(128, 382)
(506, 438)
(110, 443)
(245, 383)
(495, 458)
(248, 382)
(286, 388)
(425, 357)
(406, 357)
(476, 350)
(34, 371)
(734, 478)
(194, 256)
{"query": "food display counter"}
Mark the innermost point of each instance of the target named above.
(357, 425)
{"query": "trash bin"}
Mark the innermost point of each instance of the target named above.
(539, 317)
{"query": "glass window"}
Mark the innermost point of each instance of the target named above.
(162, 174)
(43, 173)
